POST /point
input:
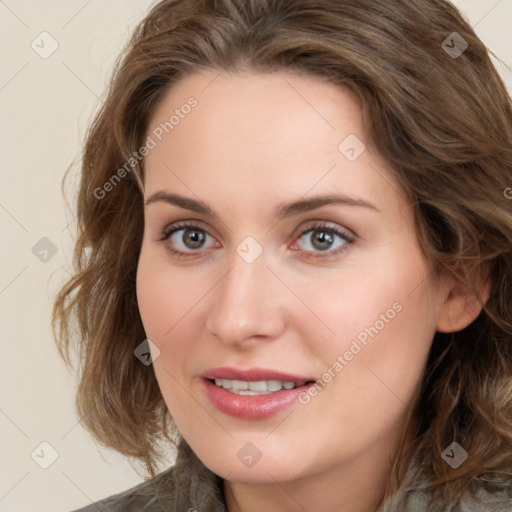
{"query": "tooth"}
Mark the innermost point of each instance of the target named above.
(301, 383)
(260, 385)
(240, 385)
(274, 385)
(252, 393)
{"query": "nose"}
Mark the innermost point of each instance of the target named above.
(248, 304)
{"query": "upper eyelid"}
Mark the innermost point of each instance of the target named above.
(183, 224)
(186, 224)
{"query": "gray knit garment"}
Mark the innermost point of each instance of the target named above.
(189, 486)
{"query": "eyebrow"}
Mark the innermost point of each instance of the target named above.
(285, 210)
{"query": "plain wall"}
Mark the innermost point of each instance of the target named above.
(46, 105)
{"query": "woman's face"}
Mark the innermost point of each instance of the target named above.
(298, 262)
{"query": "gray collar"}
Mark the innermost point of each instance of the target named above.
(189, 486)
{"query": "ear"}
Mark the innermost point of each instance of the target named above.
(461, 306)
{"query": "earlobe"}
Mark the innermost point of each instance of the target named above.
(461, 307)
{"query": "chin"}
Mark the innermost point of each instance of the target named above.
(267, 470)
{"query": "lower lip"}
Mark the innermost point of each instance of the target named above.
(252, 407)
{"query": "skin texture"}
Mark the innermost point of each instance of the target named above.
(252, 143)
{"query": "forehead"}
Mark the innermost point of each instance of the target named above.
(262, 137)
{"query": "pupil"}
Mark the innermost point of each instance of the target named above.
(323, 237)
(196, 238)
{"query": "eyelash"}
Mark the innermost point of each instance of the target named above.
(346, 237)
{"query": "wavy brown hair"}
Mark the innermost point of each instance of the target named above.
(442, 122)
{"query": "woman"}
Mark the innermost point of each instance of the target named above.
(294, 260)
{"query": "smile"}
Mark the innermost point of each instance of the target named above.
(260, 387)
(253, 405)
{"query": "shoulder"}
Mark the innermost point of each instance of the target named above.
(488, 496)
(142, 497)
(480, 497)
(187, 486)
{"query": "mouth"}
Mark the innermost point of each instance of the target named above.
(255, 393)
(256, 388)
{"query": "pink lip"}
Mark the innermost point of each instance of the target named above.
(253, 375)
(255, 406)
(251, 407)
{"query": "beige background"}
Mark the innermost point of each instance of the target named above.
(46, 105)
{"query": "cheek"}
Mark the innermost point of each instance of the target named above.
(162, 296)
(382, 318)
(368, 302)
(169, 301)
(383, 337)
(149, 299)
(162, 301)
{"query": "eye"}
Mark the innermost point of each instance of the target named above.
(321, 238)
(188, 238)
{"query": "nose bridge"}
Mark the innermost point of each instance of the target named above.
(245, 304)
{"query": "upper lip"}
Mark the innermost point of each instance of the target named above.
(253, 375)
